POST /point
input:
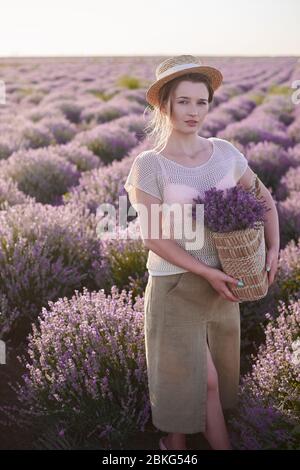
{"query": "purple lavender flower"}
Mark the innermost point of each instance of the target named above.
(231, 209)
(41, 174)
(268, 411)
(86, 361)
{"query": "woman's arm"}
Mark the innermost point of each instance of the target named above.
(168, 249)
(272, 233)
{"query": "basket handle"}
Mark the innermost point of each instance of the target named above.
(254, 188)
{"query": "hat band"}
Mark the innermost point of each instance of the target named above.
(177, 68)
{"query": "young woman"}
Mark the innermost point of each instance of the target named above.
(192, 319)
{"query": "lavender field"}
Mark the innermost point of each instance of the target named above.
(72, 302)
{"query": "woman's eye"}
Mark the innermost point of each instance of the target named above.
(180, 102)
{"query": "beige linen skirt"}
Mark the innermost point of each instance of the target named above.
(184, 313)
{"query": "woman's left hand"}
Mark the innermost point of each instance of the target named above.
(272, 263)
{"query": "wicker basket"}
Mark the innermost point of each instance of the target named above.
(242, 254)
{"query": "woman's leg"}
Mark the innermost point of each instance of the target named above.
(175, 441)
(216, 432)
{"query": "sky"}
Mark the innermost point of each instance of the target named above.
(43, 28)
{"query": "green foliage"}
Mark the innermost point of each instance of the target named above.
(257, 98)
(127, 267)
(132, 83)
(102, 95)
(280, 90)
(290, 287)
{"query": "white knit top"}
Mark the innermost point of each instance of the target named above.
(170, 181)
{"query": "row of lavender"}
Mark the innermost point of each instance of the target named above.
(60, 160)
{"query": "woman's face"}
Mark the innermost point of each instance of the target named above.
(189, 102)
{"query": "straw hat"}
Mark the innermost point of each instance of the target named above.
(180, 65)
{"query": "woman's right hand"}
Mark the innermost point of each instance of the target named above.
(218, 280)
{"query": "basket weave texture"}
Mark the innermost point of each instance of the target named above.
(242, 255)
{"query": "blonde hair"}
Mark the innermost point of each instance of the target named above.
(159, 127)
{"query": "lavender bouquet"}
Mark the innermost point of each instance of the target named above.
(236, 218)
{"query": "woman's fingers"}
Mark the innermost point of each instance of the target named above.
(218, 281)
(272, 272)
(271, 264)
(229, 295)
(230, 279)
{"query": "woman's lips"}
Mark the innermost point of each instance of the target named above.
(191, 123)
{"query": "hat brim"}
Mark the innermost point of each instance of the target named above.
(212, 73)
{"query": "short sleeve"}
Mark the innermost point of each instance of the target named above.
(144, 174)
(239, 162)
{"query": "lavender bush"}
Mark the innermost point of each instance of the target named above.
(109, 142)
(134, 123)
(41, 174)
(72, 111)
(293, 130)
(274, 384)
(108, 112)
(294, 153)
(11, 195)
(37, 114)
(276, 372)
(35, 136)
(247, 131)
(61, 129)
(289, 183)
(289, 218)
(126, 259)
(253, 323)
(7, 146)
(45, 252)
(269, 161)
(80, 156)
(279, 106)
(255, 426)
(90, 193)
(286, 288)
(237, 108)
(87, 368)
(288, 274)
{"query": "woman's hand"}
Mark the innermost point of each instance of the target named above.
(218, 280)
(271, 264)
